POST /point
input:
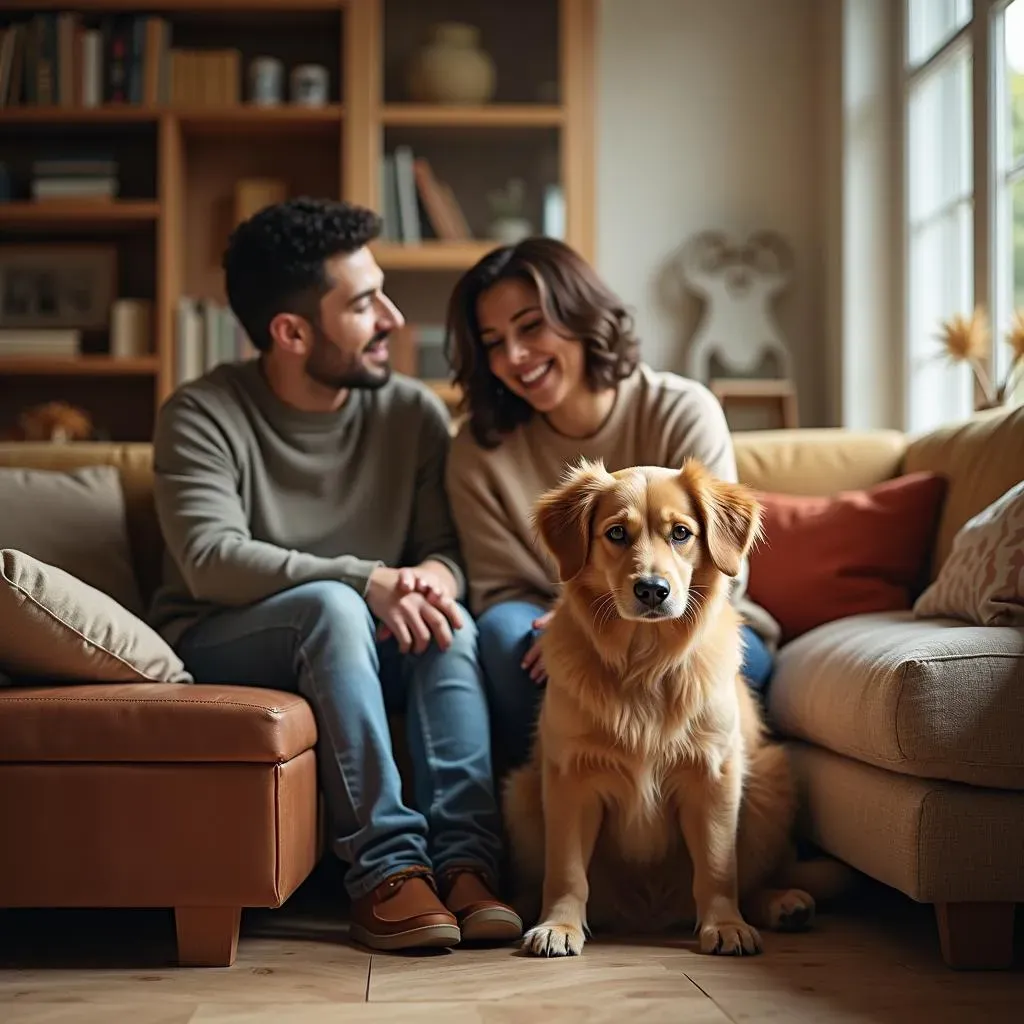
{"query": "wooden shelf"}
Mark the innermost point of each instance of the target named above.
(240, 119)
(75, 214)
(250, 120)
(431, 255)
(113, 114)
(450, 394)
(498, 115)
(78, 366)
(172, 6)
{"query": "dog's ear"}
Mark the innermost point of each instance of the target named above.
(563, 515)
(730, 513)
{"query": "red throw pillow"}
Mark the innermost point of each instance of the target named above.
(823, 558)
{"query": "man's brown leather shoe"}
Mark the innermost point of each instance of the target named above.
(481, 916)
(403, 912)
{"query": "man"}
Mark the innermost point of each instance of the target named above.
(310, 547)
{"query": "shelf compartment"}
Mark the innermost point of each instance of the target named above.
(523, 40)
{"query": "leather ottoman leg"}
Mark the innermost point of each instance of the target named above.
(207, 936)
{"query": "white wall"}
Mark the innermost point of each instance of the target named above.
(709, 117)
(865, 314)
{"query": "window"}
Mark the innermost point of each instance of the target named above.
(963, 196)
(1008, 79)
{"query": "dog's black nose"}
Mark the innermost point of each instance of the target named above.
(652, 590)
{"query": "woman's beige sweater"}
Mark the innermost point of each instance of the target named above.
(658, 419)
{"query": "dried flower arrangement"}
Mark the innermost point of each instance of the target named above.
(967, 340)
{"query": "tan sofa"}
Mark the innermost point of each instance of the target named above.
(204, 798)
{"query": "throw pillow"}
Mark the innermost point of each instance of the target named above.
(74, 520)
(982, 580)
(824, 558)
(54, 626)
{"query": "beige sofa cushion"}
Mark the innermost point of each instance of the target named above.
(982, 459)
(817, 461)
(56, 627)
(75, 520)
(934, 698)
(982, 581)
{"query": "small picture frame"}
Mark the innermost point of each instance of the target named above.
(56, 286)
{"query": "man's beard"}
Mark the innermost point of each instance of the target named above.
(329, 367)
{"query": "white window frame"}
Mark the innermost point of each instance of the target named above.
(982, 33)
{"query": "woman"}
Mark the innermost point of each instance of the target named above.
(550, 370)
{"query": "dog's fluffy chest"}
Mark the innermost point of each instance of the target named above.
(643, 795)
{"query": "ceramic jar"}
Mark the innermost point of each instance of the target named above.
(451, 67)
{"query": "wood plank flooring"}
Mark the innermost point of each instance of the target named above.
(874, 959)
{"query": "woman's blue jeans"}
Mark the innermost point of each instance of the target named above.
(506, 634)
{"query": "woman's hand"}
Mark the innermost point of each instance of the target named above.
(532, 664)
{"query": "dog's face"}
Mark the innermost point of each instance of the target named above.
(648, 543)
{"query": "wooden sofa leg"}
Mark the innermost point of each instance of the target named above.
(976, 936)
(207, 936)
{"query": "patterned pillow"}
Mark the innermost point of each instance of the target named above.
(982, 581)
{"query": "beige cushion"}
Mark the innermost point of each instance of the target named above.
(817, 461)
(935, 841)
(981, 458)
(982, 581)
(74, 520)
(928, 697)
(54, 626)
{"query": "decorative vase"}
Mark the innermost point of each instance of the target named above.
(509, 223)
(509, 230)
(451, 67)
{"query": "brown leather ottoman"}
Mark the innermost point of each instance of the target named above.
(200, 798)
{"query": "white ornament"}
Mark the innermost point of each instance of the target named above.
(738, 284)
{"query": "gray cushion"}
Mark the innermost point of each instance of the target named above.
(75, 521)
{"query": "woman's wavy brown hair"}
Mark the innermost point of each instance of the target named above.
(575, 302)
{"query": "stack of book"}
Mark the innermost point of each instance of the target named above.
(410, 188)
(207, 334)
(74, 178)
(40, 342)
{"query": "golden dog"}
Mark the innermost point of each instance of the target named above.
(652, 797)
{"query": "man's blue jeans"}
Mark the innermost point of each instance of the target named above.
(319, 639)
(506, 634)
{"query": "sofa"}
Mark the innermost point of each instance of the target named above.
(907, 734)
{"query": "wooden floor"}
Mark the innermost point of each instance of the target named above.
(874, 959)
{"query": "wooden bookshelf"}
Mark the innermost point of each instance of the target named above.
(179, 161)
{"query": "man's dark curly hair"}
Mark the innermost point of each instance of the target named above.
(274, 261)
(574, 301)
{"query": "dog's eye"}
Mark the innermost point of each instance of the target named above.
(681, 533)
(616, 534)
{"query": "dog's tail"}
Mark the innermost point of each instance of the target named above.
(822, 876)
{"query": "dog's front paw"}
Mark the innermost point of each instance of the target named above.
(791, 910)
(729, 938)
(551, 939)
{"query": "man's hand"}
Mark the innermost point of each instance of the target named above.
(413, 616)
(532, 663)
(434, 580)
